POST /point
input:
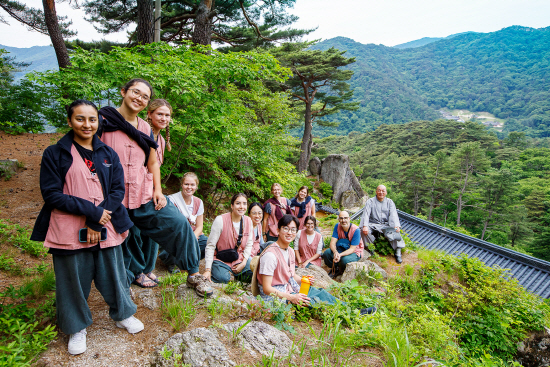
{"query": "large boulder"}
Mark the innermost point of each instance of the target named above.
(336, 171)
(322, 280)
(260, 337)
(315, 166)
(353, 269)
(198, 347)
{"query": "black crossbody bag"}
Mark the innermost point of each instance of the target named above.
(230, 255)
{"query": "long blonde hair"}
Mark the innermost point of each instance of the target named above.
(153, 105)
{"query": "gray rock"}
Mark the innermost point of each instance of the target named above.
(365, 257)
(8, 166)
(198, 347)
(322, 280)
(352, 269)
(260, 337)
(336, 171)
(315, 166)
(184, 291)
(350, 199)
(147, 298)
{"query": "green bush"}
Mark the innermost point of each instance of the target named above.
(326, 190)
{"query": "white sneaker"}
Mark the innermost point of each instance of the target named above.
(77, 342)
(131, 324)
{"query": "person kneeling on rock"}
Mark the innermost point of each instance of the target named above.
(275, 275)
(346, 245)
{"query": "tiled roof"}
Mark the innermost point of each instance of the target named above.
(531, 273)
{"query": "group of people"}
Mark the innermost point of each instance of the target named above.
(105, 217)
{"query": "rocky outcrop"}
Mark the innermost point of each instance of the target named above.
(335, 171)
(353, 269)
(322, 280)
(535, 350)
(198, 347)
(315, 166)
(259, 337)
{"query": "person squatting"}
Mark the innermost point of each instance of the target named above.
(105, 218)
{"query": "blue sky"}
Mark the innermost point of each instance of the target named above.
(388, 22)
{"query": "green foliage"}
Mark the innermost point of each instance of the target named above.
(179, 313)
(229, 125)
(18, 236)
(281, 313)
(22, 334)
(326, 190)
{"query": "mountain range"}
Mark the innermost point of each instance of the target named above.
(40, 58)
(505, 73)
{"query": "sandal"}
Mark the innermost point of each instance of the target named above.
(153, 277)
(144, 282)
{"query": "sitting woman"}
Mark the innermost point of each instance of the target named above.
(274, 209)
(230, 244)
(275, 274)
(256, 212)
(302, 206)
(83, 223)
(308, 244)
(192, 209)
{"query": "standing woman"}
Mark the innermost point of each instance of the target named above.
(230, 244)
(274, 209)
(159, 115)
(192, 209)
(156, 217)
(308, 244)
(83, 222)
(302, 206)
(256, 213)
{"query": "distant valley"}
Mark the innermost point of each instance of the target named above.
(41, 58)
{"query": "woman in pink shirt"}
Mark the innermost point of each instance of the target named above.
(157, 219)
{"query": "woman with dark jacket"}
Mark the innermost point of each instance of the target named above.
(83, 223)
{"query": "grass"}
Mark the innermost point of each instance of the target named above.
(179, 313)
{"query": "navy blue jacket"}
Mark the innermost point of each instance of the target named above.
(56, 161)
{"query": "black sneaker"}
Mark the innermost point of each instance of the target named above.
(368, 311)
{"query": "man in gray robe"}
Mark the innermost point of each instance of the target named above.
(378, 215)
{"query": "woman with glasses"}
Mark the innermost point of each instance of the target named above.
(256, 212)
(153, 215)
(308, 244)
(302, 206)
(276, 275)
(274, 209)
(230, 244)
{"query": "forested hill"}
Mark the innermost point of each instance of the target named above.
(506, 73)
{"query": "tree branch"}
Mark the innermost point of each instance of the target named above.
(258, 32)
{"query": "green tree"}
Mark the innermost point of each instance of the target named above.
(318, 81)
(437, 183)
(415, 184)
(228, 126)
(468, 159)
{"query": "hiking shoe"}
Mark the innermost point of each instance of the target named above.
(173, 269)
(131, 324)
(368, 311)
(200, 283)
(77, 342)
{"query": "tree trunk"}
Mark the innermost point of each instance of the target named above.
(485, 225)
(50, 16)
(305, 147)
(432, 197)
(145, 26)
(202, 34)
(158, 5)
(459, 202)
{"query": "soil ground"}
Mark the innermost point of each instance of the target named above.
(21, 201)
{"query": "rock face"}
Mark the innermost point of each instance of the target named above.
(322, 280)
(260, 337)
(336, 171)
(10, 165)
(147, 298)
(315, 166)
(353, 269)
(198, 347)
(535, 350)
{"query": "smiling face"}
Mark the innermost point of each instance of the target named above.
(160, 118)
(239, 206)
(302, 194)
(276, 191)
(381, 192)
(188, 187)
(84, 123)
(136, 97)
(256, 214)
(287, 233)
(310, 226)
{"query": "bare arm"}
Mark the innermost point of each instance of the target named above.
(153, 166)
(292, 298)
(199, 224)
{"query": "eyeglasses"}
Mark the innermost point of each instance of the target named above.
(256, 213)
(310, 224)
(343, 219)
(136, 93)
(289, 230)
